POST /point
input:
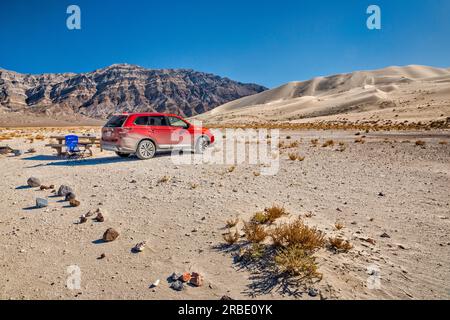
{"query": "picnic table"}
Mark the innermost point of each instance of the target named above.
(85, 142)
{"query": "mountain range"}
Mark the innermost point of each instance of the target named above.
(118, 88)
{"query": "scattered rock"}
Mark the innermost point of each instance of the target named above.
(17, 153)
(74, 203)
(312, 292)
(41, 203)
(176, 276)
(110, 235)
(47, 187)
(102, 256)
(177, 285)
(186, 277)
(385, 235)
(83, 219)
(70, 196)
(139, 247)
(155, 284)
(64, 190)
(226, 298)
(381, 194)
(33, 182)
(31, 150)
(100, 217)
(196, 279)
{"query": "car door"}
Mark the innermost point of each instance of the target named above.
(180, 135)
(160, 131)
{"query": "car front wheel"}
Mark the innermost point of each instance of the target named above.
(201, 145)
(146, 149)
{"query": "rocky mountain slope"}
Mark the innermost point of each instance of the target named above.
(118, 88)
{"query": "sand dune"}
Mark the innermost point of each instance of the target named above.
(413, 93)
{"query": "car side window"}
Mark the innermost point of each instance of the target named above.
(177, 122)
(141, 121)
(157, 121)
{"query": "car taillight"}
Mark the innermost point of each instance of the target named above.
(123, 131)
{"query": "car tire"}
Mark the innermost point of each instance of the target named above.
(146, 149)
(123, 154)
(201, 144)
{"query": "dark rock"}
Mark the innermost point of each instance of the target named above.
(385, 235)
(225, 298)
(33, 182)
(177, 285)
(64, 190)
(313, 292)
(110, 235)
(70, 196)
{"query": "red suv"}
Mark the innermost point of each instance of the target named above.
(146, 133)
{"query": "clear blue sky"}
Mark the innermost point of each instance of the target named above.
(261, 41)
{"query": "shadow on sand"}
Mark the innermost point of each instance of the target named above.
(265, 278)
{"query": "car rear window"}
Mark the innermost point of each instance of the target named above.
(116, 121)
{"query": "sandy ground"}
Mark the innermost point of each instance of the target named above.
(184, 225)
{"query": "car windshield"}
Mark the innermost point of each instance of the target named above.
(116, 121)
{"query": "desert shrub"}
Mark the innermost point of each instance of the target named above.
(314, 142)
(295, 156)
(295, 261)
(269, 215)
(443, 142)
(164, 179)
(339, 225)
(232, 222)
(231, 169)
(328, 143)
(254, 232)
(339, 245)
(420, 143)
(297, 233)
(231, 237)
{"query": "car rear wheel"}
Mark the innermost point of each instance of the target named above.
(123, 155)
(201, 145)
(146, 149)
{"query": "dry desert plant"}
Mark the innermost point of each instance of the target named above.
(231, 169)
(231, 237)
(339, 245)
(164, 179)
(328, 143)
(339, 225)
(295, 261)
(443, 142)
(295, 156)
(232, 222)
(254, 232)
(420, 143)
(297, 233)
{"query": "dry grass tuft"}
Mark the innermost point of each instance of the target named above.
(339, 245)
(232, 222)
(295, 156)
(360, 140)
(420, 143)
(256, 173)
(231, 169)
(339, 225)
(164, 179)
(328, 143)
(443, 142)
(297, 233)
(254, 232)
(194, 185)
(231, 237)
(269, 215)
(295, 261)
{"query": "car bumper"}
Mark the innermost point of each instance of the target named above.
(114, 147)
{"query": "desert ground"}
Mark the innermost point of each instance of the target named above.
(388, 191)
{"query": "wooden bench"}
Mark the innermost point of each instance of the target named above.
(85, 142)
